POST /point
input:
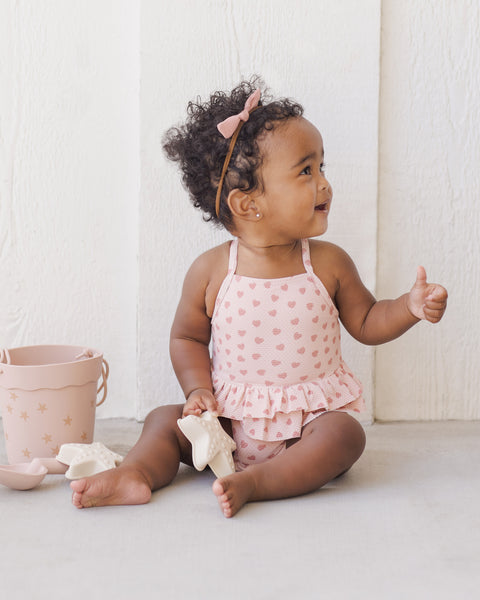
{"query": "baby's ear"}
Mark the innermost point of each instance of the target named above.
(242, 205)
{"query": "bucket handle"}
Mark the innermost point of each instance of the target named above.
(5, 356)
(103, 386)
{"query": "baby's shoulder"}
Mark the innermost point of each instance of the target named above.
(212, 260)
(207, 273)
(331, 264)
(210, 268)
(322, 252)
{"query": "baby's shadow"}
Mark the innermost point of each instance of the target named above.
(379, 468)
(186, 478)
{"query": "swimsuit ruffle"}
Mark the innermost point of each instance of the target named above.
(274, 412)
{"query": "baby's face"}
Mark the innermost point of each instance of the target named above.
(296, 196)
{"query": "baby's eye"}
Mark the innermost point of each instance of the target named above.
(308, 170)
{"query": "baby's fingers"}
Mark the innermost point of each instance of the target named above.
(198, 401)
(209, 403)
(434, 310)
(438, 294)
(191, 409)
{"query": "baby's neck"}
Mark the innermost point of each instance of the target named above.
(263, 248)
(269, 261)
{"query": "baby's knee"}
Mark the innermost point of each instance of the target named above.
(354, 435)
(164, 415)
(348, 431)
(161, 423)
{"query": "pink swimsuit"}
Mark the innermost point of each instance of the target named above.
(276, 359)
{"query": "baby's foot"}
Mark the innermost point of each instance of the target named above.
(234, 491)
(123, 485)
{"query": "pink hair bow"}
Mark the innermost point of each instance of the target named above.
(227, 128)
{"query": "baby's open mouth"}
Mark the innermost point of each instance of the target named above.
(322, 207)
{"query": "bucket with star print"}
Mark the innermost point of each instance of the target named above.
(48, 397)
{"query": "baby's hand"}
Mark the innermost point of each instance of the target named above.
(199, 401)
(427, 300)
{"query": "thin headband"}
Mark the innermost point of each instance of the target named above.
(230, 128)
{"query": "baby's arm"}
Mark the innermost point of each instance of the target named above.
(189, 339)
(376, 322)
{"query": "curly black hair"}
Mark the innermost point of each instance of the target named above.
(200, 149)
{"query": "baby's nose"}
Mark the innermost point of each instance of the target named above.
(322, 182)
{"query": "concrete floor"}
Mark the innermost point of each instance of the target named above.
(402, 524)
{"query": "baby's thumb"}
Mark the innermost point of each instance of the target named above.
(421, 280)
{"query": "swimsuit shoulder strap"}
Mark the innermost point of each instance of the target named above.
(312, 276)
(232, 266)
(307, 263)
(232, 259)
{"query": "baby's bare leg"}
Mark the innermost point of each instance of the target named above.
(151, 464)
(328, 447)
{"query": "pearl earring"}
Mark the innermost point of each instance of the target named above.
(258, 215)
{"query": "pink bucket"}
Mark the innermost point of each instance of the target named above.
(48, 396)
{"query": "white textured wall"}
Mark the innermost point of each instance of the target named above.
(69, 180)
(323, 53)
(429, 203)
(79, 137)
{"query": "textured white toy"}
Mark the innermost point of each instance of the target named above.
(210, 444)
(87, 459)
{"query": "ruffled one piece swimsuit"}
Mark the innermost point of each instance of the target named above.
(276, 358)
